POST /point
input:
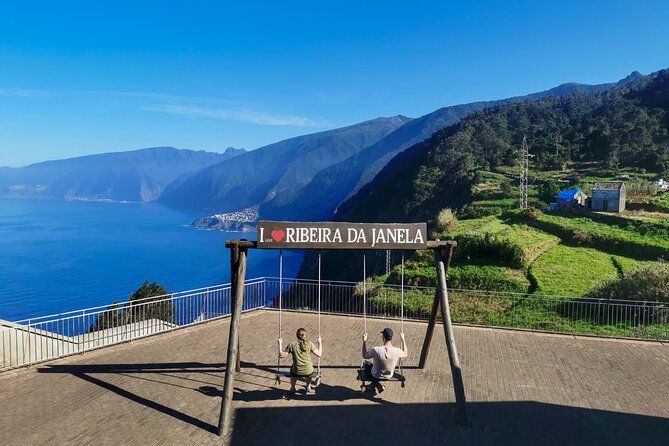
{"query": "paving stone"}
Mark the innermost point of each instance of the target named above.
(521, 389)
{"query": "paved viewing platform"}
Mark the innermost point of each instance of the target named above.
(522, 388)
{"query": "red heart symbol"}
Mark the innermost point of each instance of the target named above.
(278, 235)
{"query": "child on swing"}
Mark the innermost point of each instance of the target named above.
(301, 351)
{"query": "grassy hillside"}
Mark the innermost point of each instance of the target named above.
(500, 249)
(572, 271)
(536, 254)
(472, 168)
(575, 140)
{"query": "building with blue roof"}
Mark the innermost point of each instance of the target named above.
(571, 199)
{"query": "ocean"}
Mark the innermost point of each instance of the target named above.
(58, 256)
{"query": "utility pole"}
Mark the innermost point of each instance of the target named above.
(524, 173)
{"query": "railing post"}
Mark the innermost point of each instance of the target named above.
(30, 356)
(83, 335)
(174, 309)
(4, 354)
(206, 303)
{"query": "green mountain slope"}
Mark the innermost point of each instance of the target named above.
(623, 127)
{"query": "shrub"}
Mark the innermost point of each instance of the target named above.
(446, 220)
(661, 202)
(581, 237)
(639, 186)
(531, 214)
(650, 282)
(507, 189)
(471, 212)
(416, 273)
(548, 191)
(490, 248)
(387, 301)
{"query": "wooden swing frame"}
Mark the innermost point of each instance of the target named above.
(443, 252)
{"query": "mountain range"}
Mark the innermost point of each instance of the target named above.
(320, 198)
(139, 175)
(309, 177)
(303, 178)
(274, 174)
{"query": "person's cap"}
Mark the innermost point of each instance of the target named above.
(387, 333)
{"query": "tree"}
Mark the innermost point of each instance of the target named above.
(142, 307)
(150, 301)
(548, 191)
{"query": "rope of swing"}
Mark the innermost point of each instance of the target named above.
(319, 308)
(402, 309)
(278, 361)
(364, 289)
(364, 299)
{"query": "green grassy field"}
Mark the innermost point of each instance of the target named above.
(572, 271)
(643, 240)
(500, 250)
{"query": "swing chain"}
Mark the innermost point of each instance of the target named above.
(402, 313)
(364, 289)
(318, 375)
(278, 359)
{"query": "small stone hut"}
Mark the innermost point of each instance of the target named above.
(609, 196)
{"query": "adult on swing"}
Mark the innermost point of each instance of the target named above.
(301, 351)
(381, 361)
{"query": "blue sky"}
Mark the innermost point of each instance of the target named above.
(82, 78)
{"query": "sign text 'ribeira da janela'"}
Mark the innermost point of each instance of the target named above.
(339, 235)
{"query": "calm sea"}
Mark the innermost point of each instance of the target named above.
(58, 256)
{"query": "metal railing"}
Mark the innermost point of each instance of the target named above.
(557, 314)
(44, 338)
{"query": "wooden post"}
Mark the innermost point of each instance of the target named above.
(238, 270)
(238, 363)
(440, 256)
(430, 331)
(433, 315)
(234, 258)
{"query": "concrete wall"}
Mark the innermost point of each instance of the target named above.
(608, 200)
(21, 345)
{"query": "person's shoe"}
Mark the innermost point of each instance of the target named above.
(308, 390)
(290, 393)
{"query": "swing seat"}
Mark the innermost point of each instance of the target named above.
(365, 378)
(315, 382)
(396, 377)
